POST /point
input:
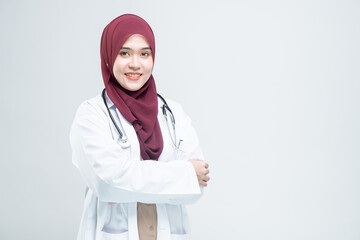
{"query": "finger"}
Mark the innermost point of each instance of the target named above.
(206, 179)
(204, 172)
(203, 183)
(206, 165)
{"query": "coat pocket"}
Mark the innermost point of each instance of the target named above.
(115, 223)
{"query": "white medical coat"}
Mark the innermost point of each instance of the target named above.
(114, 174)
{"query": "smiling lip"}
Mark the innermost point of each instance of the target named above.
(133, 75)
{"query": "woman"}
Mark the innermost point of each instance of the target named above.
(115, 136)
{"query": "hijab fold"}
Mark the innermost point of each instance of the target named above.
(140, 107)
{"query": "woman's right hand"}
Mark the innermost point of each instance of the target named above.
(202, 171)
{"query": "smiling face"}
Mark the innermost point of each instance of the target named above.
(134, 63)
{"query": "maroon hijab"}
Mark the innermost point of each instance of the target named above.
(140, 108)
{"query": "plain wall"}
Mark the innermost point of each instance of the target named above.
(272, 88)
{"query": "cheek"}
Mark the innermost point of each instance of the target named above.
(117, 70)
(118, 64)
(149, 66)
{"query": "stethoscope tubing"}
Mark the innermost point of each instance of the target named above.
(123, 140)
(110, 115)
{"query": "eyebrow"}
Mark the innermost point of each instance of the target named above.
(145, 48)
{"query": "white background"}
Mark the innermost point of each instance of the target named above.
(272, 88)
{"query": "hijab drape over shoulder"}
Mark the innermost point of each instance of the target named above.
(140, 108)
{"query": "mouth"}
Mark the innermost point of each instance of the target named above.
(133, 76)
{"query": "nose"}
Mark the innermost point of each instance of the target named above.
(134, 63)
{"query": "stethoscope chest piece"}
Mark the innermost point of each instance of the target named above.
(123, 142)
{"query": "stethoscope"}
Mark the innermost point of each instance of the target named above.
(123, 140)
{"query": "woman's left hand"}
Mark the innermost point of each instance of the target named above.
(202, 171)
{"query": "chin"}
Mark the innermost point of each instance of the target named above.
(134, 88)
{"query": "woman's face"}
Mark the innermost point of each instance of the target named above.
(134, 63)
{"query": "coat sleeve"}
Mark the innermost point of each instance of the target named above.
(109, 172)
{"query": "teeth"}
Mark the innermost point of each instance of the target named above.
(132, 75)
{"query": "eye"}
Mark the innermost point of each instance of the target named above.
(145, 54)
(124, 53)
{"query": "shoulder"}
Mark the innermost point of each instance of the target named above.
(94, 101)
(175, 107)
(90, 117)
(92, 106)
(173, 104)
